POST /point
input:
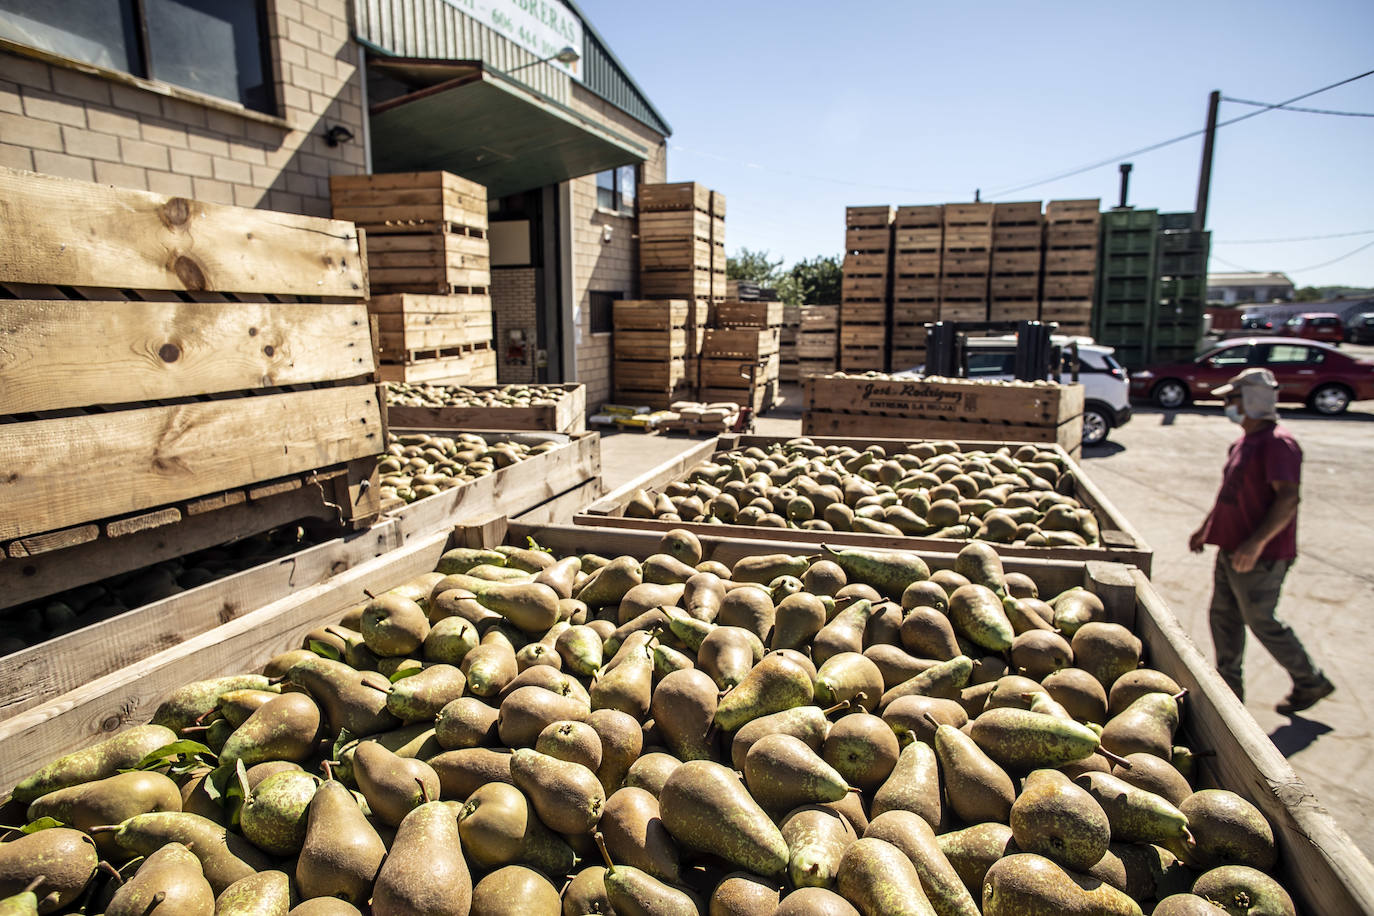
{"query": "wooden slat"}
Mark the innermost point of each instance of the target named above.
(56, 354)
(137, 459)
(477, 367)
(56, 230)
(40, 544)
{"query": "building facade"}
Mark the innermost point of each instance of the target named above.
(258, 103)
(1243, 288)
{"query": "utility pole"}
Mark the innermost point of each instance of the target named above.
(1204, 180)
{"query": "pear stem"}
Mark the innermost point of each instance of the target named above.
(605, 854)
(1114, 758)
(424, 790)
(836, 708)
(931, 719)
(33, 885)
(103, 828)
(328, 766)
(369, 594)
(1180, 695)
(195, 729)
(156, 901)
(110, 870)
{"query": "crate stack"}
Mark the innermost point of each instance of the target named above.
(1071, 246)
(740, 358)
(865, 287)
(965, 262)
(917, 242)
(1180, 287)
(429, 270)
(1018, 231)
(1124, 312)
(790, 371)
(818, 340)
(649, 351)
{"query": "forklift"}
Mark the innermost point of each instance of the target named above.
(1038, 358)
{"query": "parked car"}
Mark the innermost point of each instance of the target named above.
(1315, 326)
(1107, 402)
(1360, 329)
(1308, 372)
(1257, 321)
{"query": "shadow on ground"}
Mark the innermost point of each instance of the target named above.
(1297, 734)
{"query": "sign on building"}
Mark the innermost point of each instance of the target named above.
(542, 27)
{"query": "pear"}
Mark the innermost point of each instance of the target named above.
(1078, 692)
(651, 771)
(805, 722)
(491, 665)
(816, 838)
(580, 649)
(515, 891)
(268, 893)
(815, 901)
(341, 852)
(420, 697)
(906, 716)
(1148, 772)
(561, 576)
(273, 816)
(1026, 884)
(465, 722)
(225, 857)
(1024, 740)
(621, 743)
(586, 893)
(880, 880)
(927, 633)
(98, 761)
(188, 703)
(774, 684)
(977, 614)
(1106, 651)
(24, 903)
(633, 830)
(1058, 819)
(1136, 815)
(979, 563)
(108, 801)
(862, 749)
(461, 772)
(728, 653)
(849, 676)
(749, 609)
(532, 607)
(684, 706)
(567, 796)
(638, 893)
(238, 705)
(972, 851)
(743, 894)
(324, 906)
(1039, 653)
(707, 809)
(1228, 830)
(628, 686)
(392, 785)
(764, 568)
(284, 728)
(610, 583)
(782, 772)
(424, 873)
(498, 827)
(1074, 608)
(667, 660)
(915, 837)
(945, 679)
(896, 664)
(350, 699)
(393, 625)
(913, 785)
(1185, 905)
(575, 742)
(797, 618)
(844, 633)
(977, 787)
(1146, 726)
(449, 640)
(66, 859)
(888, 572)
(169, 880)
(1244, 890)
(529, 710)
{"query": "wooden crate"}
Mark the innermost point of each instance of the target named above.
(650, 314)
(963, 310)
(650, 375)
(813, 345)
(1018, 237)
(872, 241)
(1070, 235)
(1047, 404)
(675, 226)
(819, 318)
(440, 262)
(697, 283)
(1014, 309)
(1016, 261)
(861, 357)
(744, 343)
(808, 366)
(1014, 286)
(156, 360)
(468, 364)
(1069, 286)
(1021, 213)
(753, 314)
(408, 201)
(1085, 210)
(736, 373)
(675, 254)
(921, 217)
(968, 215)
(680, 195)
(867, 217)
(863, 288)
(411, 322)
(567, 415)
(1068, 435)
(659, 345)
(964, 287)
(865, 264)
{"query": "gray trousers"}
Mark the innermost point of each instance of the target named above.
(1249, 599)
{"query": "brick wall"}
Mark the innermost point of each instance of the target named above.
(513, 304)
(141, 134)
(598, 264)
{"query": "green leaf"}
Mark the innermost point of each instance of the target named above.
(183, 748)
(324, 649)
(534, 545)
(43, 823)
(344, 739)
(403, 673)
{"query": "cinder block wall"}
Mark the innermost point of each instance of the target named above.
(513, 303)
(141, 134)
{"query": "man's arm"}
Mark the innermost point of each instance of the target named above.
(1281, 511)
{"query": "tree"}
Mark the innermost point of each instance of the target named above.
(753, 267)
(813, 282)
(1308, 294)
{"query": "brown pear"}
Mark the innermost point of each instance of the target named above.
(461, 772)
(171, 881)
(621, 743)
(635, 835)
(425, 871)
(862, 749)
(915, 837)
(978, 789)
(684, 706)
(566, 796)
(515, 891)
(342, 851)
(529, 710)
(392, 785)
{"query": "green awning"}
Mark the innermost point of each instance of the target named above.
(485, 126)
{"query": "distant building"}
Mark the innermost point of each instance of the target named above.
(1240, 288)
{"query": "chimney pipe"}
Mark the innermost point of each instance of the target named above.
(1125, 183)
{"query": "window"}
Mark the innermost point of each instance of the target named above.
(1232, 356)
(217, 47)
(985, 364)
(615, 188)
(1293, 355)
(602, 311)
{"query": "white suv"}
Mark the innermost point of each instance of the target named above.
(1106, 388)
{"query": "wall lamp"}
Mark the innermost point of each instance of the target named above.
(337, 134)
(568, 56)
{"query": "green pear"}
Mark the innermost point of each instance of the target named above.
(586, 893)
(580, 648)
(350, 699)
(1106, 651)
(972, 851)
(849, 676)
(449, 639)
(284, 728)
(1147, 726)
(774, 684)
(394, 626)
(170, 880)
(527, 711)
(420, 697)
(1136, 815)
(915, 837)
(108, 801)
(796, 619)
(889, 572)
(913, 785)
(628, 686)
(815, 901)
(1228, 830)
(845, 632)
(632, 827)
(977, 614)
(622, 740)
(324, 906)
(1058, 819)
(807, 722)
(341, 852)
(274, 815)
(268, 893)
(1025, 883)
(392, 785)
(188, 703)
(1241, 890)
(1024, 740)
(98, 761)
(498, 827)
(782, 772)
(684, 705)
(24, 903)
(816, 839)
(862, 749)
(515, 891)
(575, 742)
(727, 654)
(225, 857)
(707, 809)
(66, 860)
(945, 679)
(880, 880)
(465, 722)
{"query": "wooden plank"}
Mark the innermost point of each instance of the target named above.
(137, 459)
(922, 217)
(99, 708)
(745, 343)
(672, 469)
(46, 671)
(674, 225)
(145, 522)
(867, 217)
(560, 509)
(649, 314)
(58, 230)
(754, 314)
(679, 195)
(477, 367)
(38, 544)
(1067, 435)
(641, 345)
(870, 240)
(57, 353)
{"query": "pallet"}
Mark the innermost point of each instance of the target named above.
(566, 415)
(468, 365)
(433, 200)
(759, 398)
(653, 398)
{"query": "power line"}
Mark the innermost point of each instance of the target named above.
(1300, 238)
(1296, 270)
(1321, 111)
(1179, 139)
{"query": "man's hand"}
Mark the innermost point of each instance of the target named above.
(1196, 541)
(1244, 557)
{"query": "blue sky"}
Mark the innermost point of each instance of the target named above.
(795, 110)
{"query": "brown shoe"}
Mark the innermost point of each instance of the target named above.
(1301, 698)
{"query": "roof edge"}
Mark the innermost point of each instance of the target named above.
(591, 30)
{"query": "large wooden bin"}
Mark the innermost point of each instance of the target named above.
(567, 415)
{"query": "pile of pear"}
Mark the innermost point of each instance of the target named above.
(931, 489)
(410, 394)
(516, 733)
(419, 465)
(875, 375)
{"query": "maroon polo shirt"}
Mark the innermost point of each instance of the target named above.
(1255, 461)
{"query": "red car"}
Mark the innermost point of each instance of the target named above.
(1311, 373)
(1315, 326)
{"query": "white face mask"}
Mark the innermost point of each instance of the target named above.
(1233, 413)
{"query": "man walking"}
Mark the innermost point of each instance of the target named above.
(1254, 525)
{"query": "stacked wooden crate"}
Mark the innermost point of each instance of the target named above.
(865, 288)
(1017, 237)
(1071, 245)
(790, 370)
(429, 270)
(965, 262)
(650, 349)
(818, 340)
(917, 241)
(740, 356)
